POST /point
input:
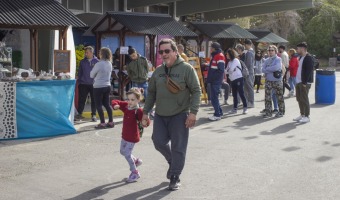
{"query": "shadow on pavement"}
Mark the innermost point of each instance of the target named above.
(284, 128)
(157, 192)
(154, 193)
(320, 105)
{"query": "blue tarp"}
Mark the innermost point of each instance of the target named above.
(43, 108)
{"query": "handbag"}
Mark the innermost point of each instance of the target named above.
(277, 74)
(171, 85)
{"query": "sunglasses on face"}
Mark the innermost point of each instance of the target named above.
(271, 50)
(166, 51)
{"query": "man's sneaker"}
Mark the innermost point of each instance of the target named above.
(266, 116)
(134, 176)
(279, 114)
(233, 111)
(138, 162)
(298, 118)
(304, 120)
(214, 118)
(94, 118)
(275, 111)
(245, 111)
(174, 183)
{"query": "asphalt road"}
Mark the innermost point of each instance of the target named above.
(240, 157)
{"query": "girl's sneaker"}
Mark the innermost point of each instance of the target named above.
(134, 176)
(138, 162)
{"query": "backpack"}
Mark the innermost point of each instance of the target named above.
(140, 126)
(315, 62)
(244, 69)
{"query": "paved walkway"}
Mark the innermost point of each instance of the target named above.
(240, 157)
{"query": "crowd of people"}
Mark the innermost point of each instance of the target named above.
(237, 71)
(174, 91)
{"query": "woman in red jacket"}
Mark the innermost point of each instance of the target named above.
(293, 67)
(131, 134)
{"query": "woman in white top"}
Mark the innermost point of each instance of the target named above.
(101, 73)
(234, 70)
(258, 69)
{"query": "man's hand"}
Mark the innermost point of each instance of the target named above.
(191, 120)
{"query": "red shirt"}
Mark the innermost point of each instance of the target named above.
(293, 66)
(130, 131)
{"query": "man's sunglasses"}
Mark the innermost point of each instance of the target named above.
(167, 51)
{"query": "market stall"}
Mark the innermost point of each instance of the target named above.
(36, 108)
(135, 29)
(35, 103)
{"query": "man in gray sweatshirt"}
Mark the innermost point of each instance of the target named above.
(249, 82)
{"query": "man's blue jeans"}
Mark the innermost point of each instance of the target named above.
(142, 85)
(215, 91)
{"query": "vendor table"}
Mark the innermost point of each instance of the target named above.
(36, 109)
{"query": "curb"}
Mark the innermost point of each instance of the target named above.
(115, 113)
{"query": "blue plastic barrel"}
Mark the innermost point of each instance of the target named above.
(325, 87)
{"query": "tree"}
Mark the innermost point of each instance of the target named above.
(282, 23)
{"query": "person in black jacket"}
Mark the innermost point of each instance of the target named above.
(304, 79)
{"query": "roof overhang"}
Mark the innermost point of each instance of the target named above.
(36, 14)
(267, 36)
(188, 7)
(219, 30)
(258, 9)
(140, 23)
(140, 3)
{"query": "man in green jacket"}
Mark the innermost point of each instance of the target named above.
(175, 111)
(137, 70)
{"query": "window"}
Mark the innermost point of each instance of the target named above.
(76, 4)
(108, 5)
(159, 9)
(64, 3)
(96, 6)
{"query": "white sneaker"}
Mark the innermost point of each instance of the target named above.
(245, 111)
(298, 118)
(304, 120)
(233, 111)
(214, 118)
(134, 176)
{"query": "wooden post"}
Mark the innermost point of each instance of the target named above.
(60, 39)
(64, 37)
(36, 67)
(31, 48)
(97, 44)
(152, 50)
(34, 49)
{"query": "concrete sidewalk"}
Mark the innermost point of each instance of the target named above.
(239, 157)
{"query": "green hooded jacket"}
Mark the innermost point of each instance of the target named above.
(167, 103)
(138, 70)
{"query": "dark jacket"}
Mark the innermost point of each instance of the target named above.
(307, 72)
(216, 68)
(85, 67)
(138, 70)
(169, 104)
